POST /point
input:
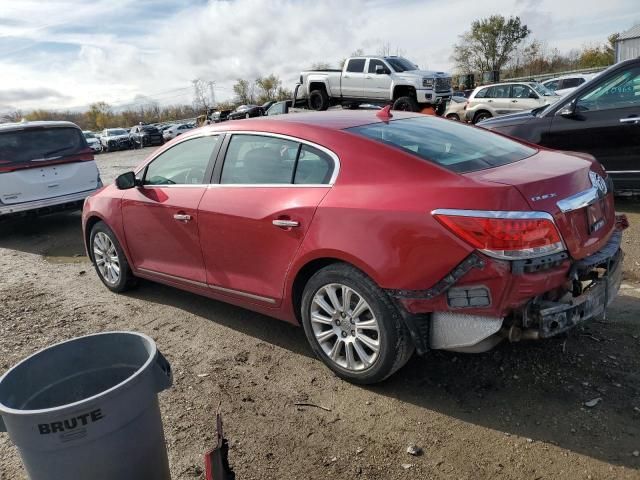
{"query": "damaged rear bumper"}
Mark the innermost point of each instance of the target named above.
(547, 298)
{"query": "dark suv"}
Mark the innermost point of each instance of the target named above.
(145, 135)
(601, 117)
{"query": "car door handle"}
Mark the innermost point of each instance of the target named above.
(369, 77)
(489, 101)
(514, 101)
(285, 223)
(633, 120)
(182, 217)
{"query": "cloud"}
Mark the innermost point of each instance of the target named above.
(115, 50)
(23, 94)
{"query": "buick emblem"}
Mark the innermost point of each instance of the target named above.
(598, 182)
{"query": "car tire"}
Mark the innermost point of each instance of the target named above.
(115, 274)
(453, 116)
(350, 350)
(483, 115)
(247, 116)
(318, 100)
(406, 104)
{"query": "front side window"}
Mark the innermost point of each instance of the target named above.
(522, 91)
(183, 164)
(356, 65)
(620, 91)
(451, 145)
(373, 63)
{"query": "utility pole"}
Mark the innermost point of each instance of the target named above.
(212, 93)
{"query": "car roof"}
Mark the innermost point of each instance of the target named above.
(329, 120)
(7, 127)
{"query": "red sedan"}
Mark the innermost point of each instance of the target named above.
(379, 235)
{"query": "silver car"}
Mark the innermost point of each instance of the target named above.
(503, 98)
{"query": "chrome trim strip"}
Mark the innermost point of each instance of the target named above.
(213, 287)
(623, 171)
(579, 200)
(493, 214)
(173, 277)
(242, 294)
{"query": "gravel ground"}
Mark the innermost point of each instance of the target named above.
(516, 412)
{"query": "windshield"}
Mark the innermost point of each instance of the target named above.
(116, 131)
(541, 89)
(149, 129)
(20, 146)
(400, 64)
(89, 135)
(451, 145)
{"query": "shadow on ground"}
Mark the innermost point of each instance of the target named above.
(535, 390)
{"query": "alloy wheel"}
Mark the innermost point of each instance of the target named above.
(106, 258)
(345, 327)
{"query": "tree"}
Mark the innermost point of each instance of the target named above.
(267, 87)
(489, 44)
(98, 115)
(200, 97)
(244, 91)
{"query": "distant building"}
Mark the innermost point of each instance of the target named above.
(628, 44)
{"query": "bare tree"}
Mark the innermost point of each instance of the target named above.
(244, 91)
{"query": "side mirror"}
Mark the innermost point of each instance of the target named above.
(569, 110)
(380, 70)
(533, 95)
(126, 181)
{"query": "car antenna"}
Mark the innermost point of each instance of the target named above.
(385, 114)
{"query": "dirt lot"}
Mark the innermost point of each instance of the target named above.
(516, 412)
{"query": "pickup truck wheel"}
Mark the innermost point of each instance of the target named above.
(318, 100)
(406, 104)
(353, 326)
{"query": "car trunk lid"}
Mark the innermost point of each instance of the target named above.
(568, 186)
(37, 163)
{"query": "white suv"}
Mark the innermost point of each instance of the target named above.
(502, 98)
(567, 84)
(45, 166)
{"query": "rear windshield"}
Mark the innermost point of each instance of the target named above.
(150, 129)
(452, 145)
(21, 146)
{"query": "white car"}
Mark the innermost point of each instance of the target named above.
(455, 108)
(175, 130)
(93, 141)
(45, 166)
(568, 83)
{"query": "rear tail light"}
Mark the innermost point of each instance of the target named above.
(506, 235)
(466, 104)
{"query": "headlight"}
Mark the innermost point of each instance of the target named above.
(427, 82)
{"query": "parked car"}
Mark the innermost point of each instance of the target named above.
(145, 135)
(455, 108)
(601, 118)
(44, 167)
(93, 141)
(373, 79)
(279, 108)
(249, 111)
(175, 130)
(379, 234)
(113, 139)
(503, 98)
(220, 115)
(568, 83)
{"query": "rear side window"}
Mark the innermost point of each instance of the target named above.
(499, 91)
(38, 144)
(572, 82)
(451, 145)
(313, 167)
(356, 65)
(482, 93)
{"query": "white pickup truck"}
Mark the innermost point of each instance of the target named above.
(373, 79)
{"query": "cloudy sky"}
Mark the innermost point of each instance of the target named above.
(69, 53)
